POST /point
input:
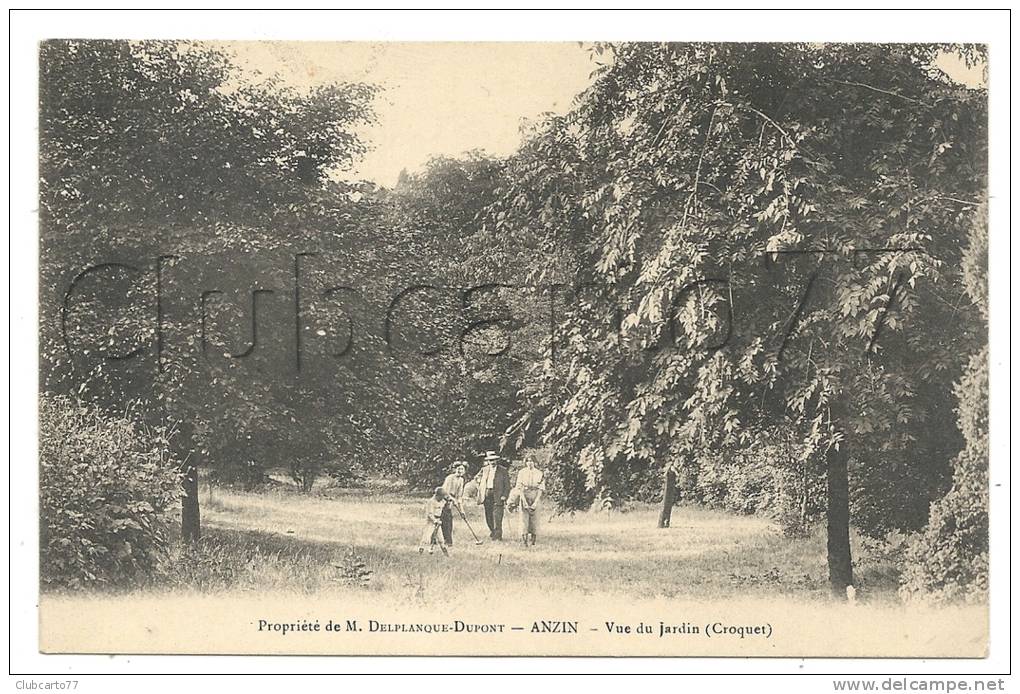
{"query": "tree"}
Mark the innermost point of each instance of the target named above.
(468, 332)
(949, 559)
(151, 151)
(773, 227)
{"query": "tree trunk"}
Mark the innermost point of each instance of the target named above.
(838, 517)
(804, 490)
(668, 498)
(191, 529)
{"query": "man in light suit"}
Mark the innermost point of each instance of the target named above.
(493, 489)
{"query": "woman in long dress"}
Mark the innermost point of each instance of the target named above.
(529, 487)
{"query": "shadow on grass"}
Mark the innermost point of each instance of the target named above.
(310, 544)
(267, 560)
(705, 554)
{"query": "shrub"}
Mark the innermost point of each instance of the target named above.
(249, 474)
(765, 480)
(619, 481)
(424, 471)
(234, 459)
(632, 479)
(342, 472)
(949, 559)
(892, 491)
(105, 483)
(567, 484)
(353, 569)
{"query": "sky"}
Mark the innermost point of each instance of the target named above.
(439, 98)
(446, 98)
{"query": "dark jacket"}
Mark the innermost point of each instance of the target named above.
(500, 483)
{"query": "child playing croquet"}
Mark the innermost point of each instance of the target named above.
(433, 521)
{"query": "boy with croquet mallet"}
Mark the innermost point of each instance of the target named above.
(432, 533)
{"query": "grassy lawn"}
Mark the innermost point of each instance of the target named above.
(352, 554)
(285, 540)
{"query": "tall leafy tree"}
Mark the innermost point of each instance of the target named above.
(156, 149)
(949, 560)
(468, 337)
(763, 233)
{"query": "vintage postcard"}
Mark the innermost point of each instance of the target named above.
(592, 348)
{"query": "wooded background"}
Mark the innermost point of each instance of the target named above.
(741, 275)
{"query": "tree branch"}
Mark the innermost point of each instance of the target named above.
(968, 203)
(882, 91)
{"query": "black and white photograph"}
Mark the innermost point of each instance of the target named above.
(672, 348)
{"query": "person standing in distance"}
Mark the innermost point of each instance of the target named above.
(493, 488)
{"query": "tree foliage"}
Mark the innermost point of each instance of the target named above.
(773, 231)
(737, 266)
(949, 559)
(173, 188)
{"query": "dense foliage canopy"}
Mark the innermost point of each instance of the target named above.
(732, 270)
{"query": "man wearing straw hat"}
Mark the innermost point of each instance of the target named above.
(493, 488)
